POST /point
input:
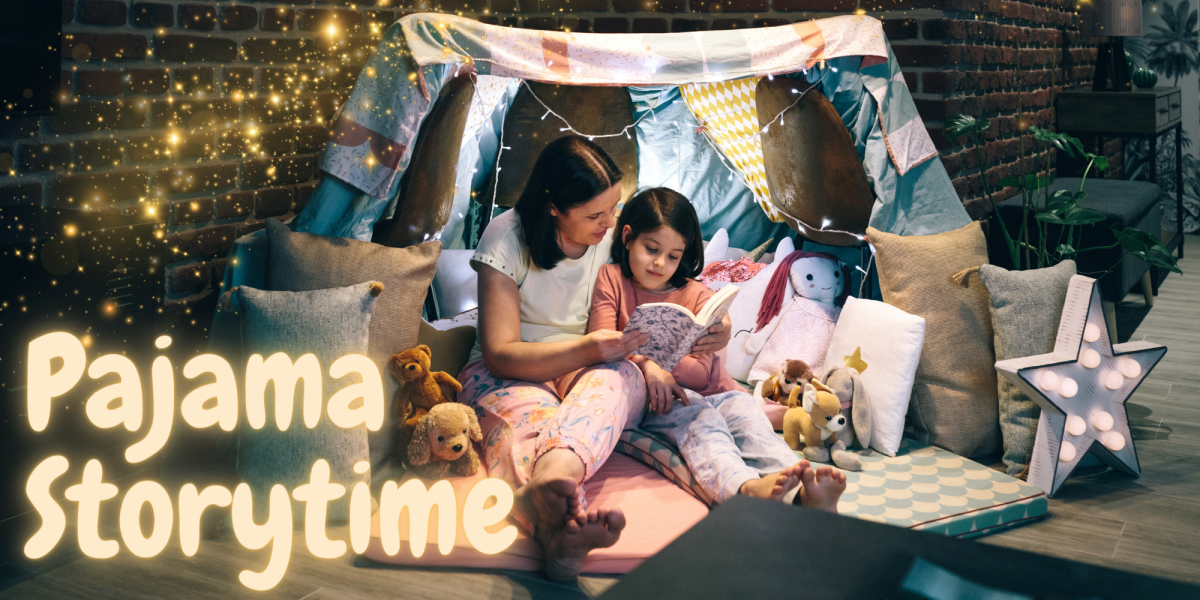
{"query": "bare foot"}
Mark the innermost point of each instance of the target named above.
(548, 503)
(566, 548)
(821, 488)
(551, 496)
(776, 485)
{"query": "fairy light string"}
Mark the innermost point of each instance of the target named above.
(802, 226)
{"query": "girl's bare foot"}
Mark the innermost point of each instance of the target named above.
(821, 488)
(775, 485)
(567, 547)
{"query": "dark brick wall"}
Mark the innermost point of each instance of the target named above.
(212, 114)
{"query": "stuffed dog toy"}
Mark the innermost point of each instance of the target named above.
(778, 387)
(815, 423)
(442, 442)
(420, 390)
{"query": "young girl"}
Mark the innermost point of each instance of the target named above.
(722, 433)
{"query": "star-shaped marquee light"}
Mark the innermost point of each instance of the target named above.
(1082, 387)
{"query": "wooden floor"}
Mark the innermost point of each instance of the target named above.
(1149, 525)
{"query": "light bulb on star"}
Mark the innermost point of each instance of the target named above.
(1076, 425)
(1113, 441)
(1102, 421)
(1066, 453)
(1068, 388)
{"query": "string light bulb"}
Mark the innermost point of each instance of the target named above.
(1089, 358)
(1091, 332)
(1102, 421)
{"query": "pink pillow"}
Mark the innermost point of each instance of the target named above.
(656, 510)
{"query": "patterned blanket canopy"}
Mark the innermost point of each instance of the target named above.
(376, 128)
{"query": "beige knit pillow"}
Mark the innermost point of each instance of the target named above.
(954, 403)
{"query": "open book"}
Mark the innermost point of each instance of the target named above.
(674, 329)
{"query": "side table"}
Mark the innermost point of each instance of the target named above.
(1143, 113)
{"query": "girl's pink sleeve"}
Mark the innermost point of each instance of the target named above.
(604, 302)
(692, 372)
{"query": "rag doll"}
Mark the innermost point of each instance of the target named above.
(798, 313)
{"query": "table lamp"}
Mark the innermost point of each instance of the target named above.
(1115, 20)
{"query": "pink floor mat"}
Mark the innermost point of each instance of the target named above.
(657, 512)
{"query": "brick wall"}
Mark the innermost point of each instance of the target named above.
(213, 113)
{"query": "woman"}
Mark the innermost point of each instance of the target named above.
(563, 394)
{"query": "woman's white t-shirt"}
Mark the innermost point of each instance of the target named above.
(554, 303)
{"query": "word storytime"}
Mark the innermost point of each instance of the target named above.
(216, 403)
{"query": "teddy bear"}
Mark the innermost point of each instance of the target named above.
(798, 312)
(420, 389)
(815, 423)
(778, 387)
(442, 442)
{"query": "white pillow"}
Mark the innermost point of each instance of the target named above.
(891, 342)
(455, 283)
(744, 313)
(717, 247)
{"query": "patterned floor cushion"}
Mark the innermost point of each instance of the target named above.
(922, 487)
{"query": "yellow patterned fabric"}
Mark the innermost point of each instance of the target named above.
(727, 114)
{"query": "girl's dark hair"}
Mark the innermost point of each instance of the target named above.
(570, 171)
(659, 207)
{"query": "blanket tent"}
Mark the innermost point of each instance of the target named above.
(807, 127)
(683, 110)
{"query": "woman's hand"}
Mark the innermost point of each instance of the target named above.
(717, 338)
(661, 387)
(609, 346)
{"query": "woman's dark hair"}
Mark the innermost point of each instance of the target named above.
(654, 208)
(570, 171)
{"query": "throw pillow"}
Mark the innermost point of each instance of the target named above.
(954, 402)
(1025, 307)
(889, 341)
(449, 349)
(743, 313)
(304, 261)
(329, 324)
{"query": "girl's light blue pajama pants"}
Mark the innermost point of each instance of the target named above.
(725, 439)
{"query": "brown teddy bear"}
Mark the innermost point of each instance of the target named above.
(778, 388)
(420, 389)
(442, 442)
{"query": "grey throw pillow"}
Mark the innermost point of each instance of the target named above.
(329, 324)
(304, 261)
(1026, 307)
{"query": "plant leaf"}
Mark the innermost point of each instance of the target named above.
(959, 125)
(1147, 247)
(1065, 251)
(1101, 162)
(1071, 215)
